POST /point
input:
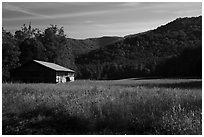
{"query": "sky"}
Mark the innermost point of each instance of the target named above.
(82, 20)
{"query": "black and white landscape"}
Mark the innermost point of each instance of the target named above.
(137, 68)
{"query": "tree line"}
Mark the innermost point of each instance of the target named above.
(170, 50)
(31, 43)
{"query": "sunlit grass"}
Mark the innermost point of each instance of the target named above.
(103, 107)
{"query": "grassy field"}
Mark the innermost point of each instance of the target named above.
(159, 106)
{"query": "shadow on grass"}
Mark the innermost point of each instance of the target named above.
(180, 85)
(56, 121)
(44, 121)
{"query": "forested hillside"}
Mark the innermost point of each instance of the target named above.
(86, 45)
(170, 50)
(149, 53)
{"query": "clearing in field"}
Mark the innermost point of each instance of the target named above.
(162, 106)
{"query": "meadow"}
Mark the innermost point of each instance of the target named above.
(118, 107)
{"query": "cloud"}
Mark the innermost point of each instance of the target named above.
(88, 13)
(56, 16)
(13, 8)
(194, 12)
(88, 21)
(130, 4)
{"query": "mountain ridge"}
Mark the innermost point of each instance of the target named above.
(82, 46)
(143, 52)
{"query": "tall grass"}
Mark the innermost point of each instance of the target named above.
(106, 107)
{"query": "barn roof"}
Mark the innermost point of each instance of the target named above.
(53, 66)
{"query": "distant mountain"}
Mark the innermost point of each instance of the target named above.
(86, 45)
(105, 40)
(141, 54)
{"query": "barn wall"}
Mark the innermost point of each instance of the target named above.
(61, 76)
(34, 72)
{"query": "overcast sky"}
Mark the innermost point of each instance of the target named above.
(85, 20)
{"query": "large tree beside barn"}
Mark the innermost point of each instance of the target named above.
(56, 45)
(10, 54)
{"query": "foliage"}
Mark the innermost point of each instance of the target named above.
(10, 54)
(188, 63)
(86, 45)
(31, 49)
(145, 51)
(163, 106)
(57, 50)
